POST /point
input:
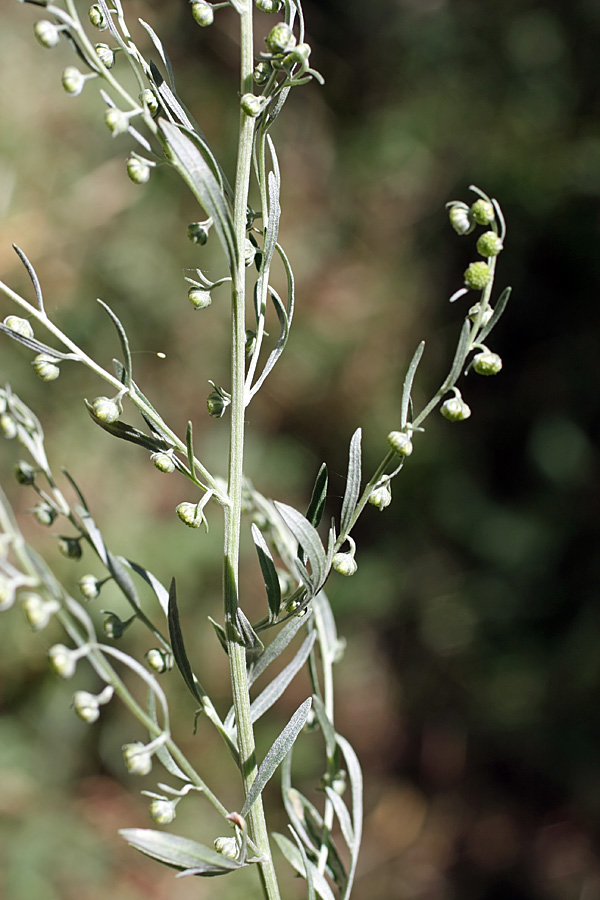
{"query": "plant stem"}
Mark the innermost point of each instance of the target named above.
(236, 649)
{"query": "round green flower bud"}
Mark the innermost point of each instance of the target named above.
(477, 275)
(148, 98)
(106, 409)
(344, 564)
(24, 473)
(489, 244)
(62, 660)
(381, 497)
(203, 13)
(280, 39)
(38, 611)
(7, 593)
(70, 547)
(86, 706)
(189, 515)
(487, 363)
(460, 219)
(46, 33)
(198, 298)
(482, 212)
(226, 846)
(159, 660)
(262, 72)
(8, 426)
(105, 55)
(217, 403)
(137, 758)
(252, 105)
(89, 586)
(455, 409)
(19, 325)
(73, 81)
(268, 6)
(46, 366)
(113, 626)
(97, 17)
(44, 513)
(162, 811)
(198, 232)
(164, 462)
(400, 443)
(300, 54)
(474, 312)
(116, 121)
(138, 170)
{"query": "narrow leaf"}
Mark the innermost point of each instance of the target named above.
(314, 512)
(251, 641)
(326, 727)
(160, 591)
(269, 573)
(408, 383)
(309, 540)
(352, 482)
(356, 789)
(33, 275)
(343, 816)
(177, 645)
(129, 433)
(310, 888)
(498, 310)
(276, 647)
(293, 856)
(459, 357)
(281, 746)
(34, 344)
(275, 688)
(162, 752)
(123, 339)
(179, 852)
(159, 46)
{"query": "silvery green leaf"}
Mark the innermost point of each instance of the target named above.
(275, 688)
(310, 889)
(34, 344)
(276, 647)
(162, 594)
(309, 540)
(352, 483)
(159, 46)
(33, 275)
(408, 383)
(128, 433)
(459, 357)
(123, 339)
(281, 746)
(196, 173)
(272, 226)
(220, 632)
(177, 645)
(498, 310)
(294, 807)
(343, 816)
(269, 573)
(251, 641)
(314, 512)
(293, 856)
(326, 727)
(328, 636)
(179, 852)
(356, 789)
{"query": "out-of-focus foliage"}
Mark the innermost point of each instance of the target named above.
(473, 618)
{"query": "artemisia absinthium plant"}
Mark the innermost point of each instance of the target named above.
(156, 129)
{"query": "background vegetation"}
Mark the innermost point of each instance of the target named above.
(470, 686)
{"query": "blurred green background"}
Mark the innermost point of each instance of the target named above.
(471, 682)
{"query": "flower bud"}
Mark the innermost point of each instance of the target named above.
(487, 363)
(262, 72)
(400, 443)
(19, 325)
(47, 33)
(7, 593)
(73, 81)
(46, 366)
(460, 219)
(477, 275)
(217, 402)
(24, 473)
(113, 626)
(252, 105)
(44, 513)
(198, 298)
(249, 252)
(149, 99)
(203, 13)
(190, 515)
(106, 55)
(137, 758)
(344, 564)
(138, 170)
(381, 496)
(38, 611)
(164, 462)
(62, 660)
(474, 312)
(489, 244)
(97, 17)
(70, 547)
(86, 706)
(268, 6)
(159, 660)
(116, 121)
(162, 811)
(300, 54)
(8, 426)
(227, 846)
(280, 39)
(89, 586)
(455, 409)
(250, 342)
(482, 212)
(106, 409)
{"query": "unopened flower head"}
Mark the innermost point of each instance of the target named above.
(116, 121)
(70, 547)
(455, 409)
(482, 212)
(162, 811)
(268, 6)
(487, 363)
(19, 325)
(138, 758)
(190, 515)
(198, 298)
(280, 39)
(7, 592)
(489, 244)
(138, 170)
(477, 276)
(344, 564)
(44, 513)
(159, 660)
(163, 461)
(73, 81)
(62, 660)
(47, 34)
(381, 497)
(46, 366)
(106, 55)
(89, 586)
(8, 426)
(37, 610)
(106, 409)
(97, 17)
(262, 72)
(86, 706)
(400, 443)
(460, 219)
(485, 317)
(203, 13)
(149, 99)
(24, 473)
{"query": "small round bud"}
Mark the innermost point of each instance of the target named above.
(280, 39)
(38, 611)
(455, 409)
(460, 219)
(198, 298)
(97, 17)
(46, 366)
(116, 121)
(86, 706)
(89, 586)
(159, 660)
(216, 404)
(474, 312)
(489, 244)
(227, 846)
(8, 426)
(250, 342)
(164, 462)
(189, 515)
(477, 275)
(7, 593)
(137, 758)
(106, 409)
(24, 473)
(344, 564)
(268, 6)
(106, 55)
(113, 626)
(203, 13)
(482, 212)
(44, 513)
(73, 81)
(262, 72)
(148, 98)
(70, 547)
(162, 811)
(19, 325)
(400, 443)
(300, 54)
(252, 105)
(62, 660)
(381, 497)
(338, 782)
(47, 34)
(138, 170)
(487, 363)
(198, 232)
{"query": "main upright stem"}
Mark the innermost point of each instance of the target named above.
(236, 650)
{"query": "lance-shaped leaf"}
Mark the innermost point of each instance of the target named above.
(249, 638)
(314, 512)
(310, 889)
(276, 647)
(177, 645)
(356, 791)
(34, 344)
(124, 342)
(498, 310)
(196, 173)
(129, 433)
(459, 357)
(294, 857)
(179, 852)
(281, 746)
(160, 591)
(33, 275)
(309, 540)
(408, 383)
(269, 573)
(352, 483)
(275, 688)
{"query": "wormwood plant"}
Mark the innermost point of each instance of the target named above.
(295, 558)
